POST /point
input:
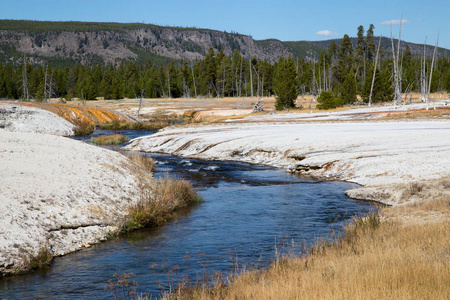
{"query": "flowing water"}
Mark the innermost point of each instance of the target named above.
(249, 212)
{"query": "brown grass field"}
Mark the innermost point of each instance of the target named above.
(216, 109)
(398, 253)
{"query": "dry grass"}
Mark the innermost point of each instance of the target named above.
(440, 113)
(83, 127)
(42, 260)
(380, 257)
(114, 139)
(158, 201)
(135, 125)
(141, 162)
(158, 198)
(31, 262)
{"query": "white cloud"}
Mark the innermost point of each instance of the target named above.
(326, 33)
(396, 22)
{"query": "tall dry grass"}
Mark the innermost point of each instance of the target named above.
(380, 257)
(156, 125)
(158, 202)
(113, 139)
(83, 127)
(158, 199)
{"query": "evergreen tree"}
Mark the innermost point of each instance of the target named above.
(285, 88)
(348, 88)
(382, 88)
(224, 78)
(370, 43)
(208, 74)
(110, 86)
(327, 100)
(360, 58)
(345, 62)
(174, 82)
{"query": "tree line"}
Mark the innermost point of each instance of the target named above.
(338, 74)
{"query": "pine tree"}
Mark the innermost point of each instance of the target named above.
(360, 56)
(327, 100)
(348, 88)
(285, 88)
(382, 89)
(208, 73)
(370, 43)
(174, 81)
(224, 77)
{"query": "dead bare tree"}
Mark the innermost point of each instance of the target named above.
(262, 87)
(25, 89)
(168, 82)
(186, 90)
(49, 85)
(83, 98)
(395, 59)
(251, 80)
(374, 71)
(314, 89)
(140, 97)
(431, 73)
(423, 80)
(193, 79)
(258, 106)
(45, 84)
(162, 88)
(257, 80)
(240, 80)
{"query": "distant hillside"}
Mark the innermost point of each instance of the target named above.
(416, 49)
(66, 43)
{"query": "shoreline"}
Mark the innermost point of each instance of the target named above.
(257, 143)
(383, 162)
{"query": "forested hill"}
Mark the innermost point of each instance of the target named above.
(67, 43)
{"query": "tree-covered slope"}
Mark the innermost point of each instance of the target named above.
(67, 43)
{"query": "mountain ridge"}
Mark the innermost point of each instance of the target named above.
(70, 42)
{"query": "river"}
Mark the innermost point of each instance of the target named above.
(249, 214)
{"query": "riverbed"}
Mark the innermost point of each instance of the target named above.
(249, 214)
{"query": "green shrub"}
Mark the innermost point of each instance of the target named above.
(327, 100)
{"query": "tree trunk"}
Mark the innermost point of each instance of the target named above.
(251, 80)
(374, 71)
(431, 73)
(193, 79)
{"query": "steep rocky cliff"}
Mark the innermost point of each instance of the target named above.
(90, 43)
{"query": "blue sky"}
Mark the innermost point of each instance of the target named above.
(286, 20)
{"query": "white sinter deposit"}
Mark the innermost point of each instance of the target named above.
(14, 117)
(377, 155)
(57, 193)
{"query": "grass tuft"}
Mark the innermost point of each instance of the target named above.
(33, 262)
(140, 161)
(42, 260)
(158, 201)
(135, 125)
(114, 139)
(83, 127)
